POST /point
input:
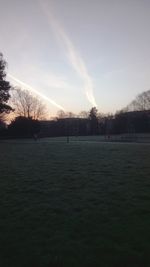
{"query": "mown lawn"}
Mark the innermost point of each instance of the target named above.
(78, 204)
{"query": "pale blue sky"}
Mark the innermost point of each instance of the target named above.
(78, 52)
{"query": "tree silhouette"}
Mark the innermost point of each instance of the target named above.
(4, 88)
(27, 105)
(140, 103)
(93, 116)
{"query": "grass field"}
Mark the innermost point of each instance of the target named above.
(82, 204)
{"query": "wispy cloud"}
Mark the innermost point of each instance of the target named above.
(73, 55)
(31, 89)
(51, 80)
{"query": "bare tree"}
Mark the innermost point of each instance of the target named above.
(61, 114)
(27, 105)
(70, 114)
(84, 114)
(142, 102)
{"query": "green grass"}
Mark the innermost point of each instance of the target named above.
(78, 204)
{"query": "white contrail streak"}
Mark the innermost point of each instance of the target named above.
(30, 88)
(74, 58)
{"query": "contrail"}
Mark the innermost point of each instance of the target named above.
(75, 59)
(30, 88)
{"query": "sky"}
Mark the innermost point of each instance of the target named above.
(76, 54)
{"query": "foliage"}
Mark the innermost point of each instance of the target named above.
(4, 88)
(93, 116)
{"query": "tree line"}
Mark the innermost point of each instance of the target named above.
(29, 113)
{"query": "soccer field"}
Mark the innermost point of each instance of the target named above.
(81, 203)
